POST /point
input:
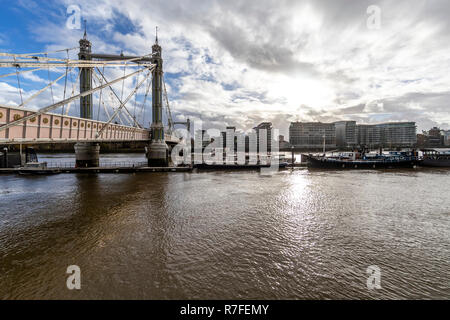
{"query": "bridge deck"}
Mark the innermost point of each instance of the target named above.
(56, 128)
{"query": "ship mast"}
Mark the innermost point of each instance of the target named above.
(324, 143)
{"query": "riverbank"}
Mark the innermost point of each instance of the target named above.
(105, 147)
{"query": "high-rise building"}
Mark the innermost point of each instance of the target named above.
(346, 134)
(202, 138)
(264, 136)
(231, 138)
(312, 134)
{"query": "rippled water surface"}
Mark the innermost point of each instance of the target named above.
(220, 235)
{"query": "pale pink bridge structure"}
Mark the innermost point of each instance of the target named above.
(21, 123)
(56, 128)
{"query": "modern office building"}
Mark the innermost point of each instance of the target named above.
(312, 134)
(446, 135)
(398, 134)
(204, 137)
(369, 135)
(264, 136)
(346, 134)
(391, 134)
(230, 136)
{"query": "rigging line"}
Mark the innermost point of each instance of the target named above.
(51, 88)
(121, 106)
(61, 103)
(20, 89)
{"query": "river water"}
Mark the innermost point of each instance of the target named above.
(226, 235)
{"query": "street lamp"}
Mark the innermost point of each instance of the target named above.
(292, 153)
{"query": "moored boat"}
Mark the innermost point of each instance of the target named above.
(356, 160)
(435, 158)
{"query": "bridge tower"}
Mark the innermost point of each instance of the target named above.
(158, 150)
(86, 154)
(85, 78)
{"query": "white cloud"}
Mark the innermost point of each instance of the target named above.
(242, 61)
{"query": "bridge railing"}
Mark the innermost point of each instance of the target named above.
(103, 164)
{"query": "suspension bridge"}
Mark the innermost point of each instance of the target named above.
(96, 91)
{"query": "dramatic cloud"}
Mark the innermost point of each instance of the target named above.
(240, 62)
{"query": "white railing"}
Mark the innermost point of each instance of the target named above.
(103, 164)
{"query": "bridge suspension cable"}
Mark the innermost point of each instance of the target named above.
(74, 87)
(120, 100)
(66, 101)
(149, 84)
(58, 63)
(42, 90)
(27, 55)
(169, 113)
(122, 105)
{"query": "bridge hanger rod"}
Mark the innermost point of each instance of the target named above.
(120, 100)
(110, 100)
(74, 87)
(120, 107)
(169, 118)
(64, 102)
(42, 90)
(120, 115)
(128, 113)
(142, 116)
(105, 107)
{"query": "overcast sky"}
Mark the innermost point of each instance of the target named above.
(242, 62)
